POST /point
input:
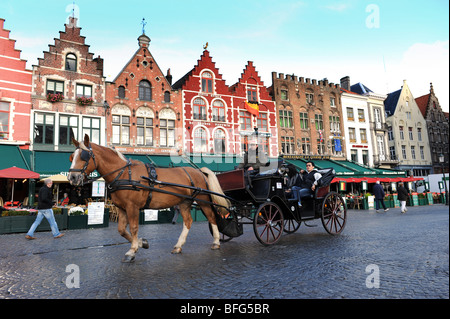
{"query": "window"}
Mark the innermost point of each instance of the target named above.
(252, 93)
(410, 132)
(354, 155)
(408, 115)
(413, 152)
(284, 95)
(352, 135)
(167, 97)
(390, 133)
(54, 87)
(121, 92)
(361, 116)
(218, 111)
(377, 116)
(332, 101)
(350, 115)
(121, 129)
(91, 127)
(319, 121)
(365, 157)
(145, 91)
(404, 151)
(392, 152)
(199, 109)
(68, 128)
(380, 146)
(422, 153)
(335, 125)
(84, 90)
(200, 143)
(4, 120)
(207, 82)
(287, 145)
(419, 134)
(363, 135)
(44, 128)
(245, 120)
(309, 98)
(285, 118)
(219, 142)
(167, 132)
(261, 122)
(320, 146)
(306, 145)
(304, 120)
(144, 130)
(71, 62)
(402, 135)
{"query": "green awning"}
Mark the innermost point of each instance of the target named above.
(51, 163)
(11, 155)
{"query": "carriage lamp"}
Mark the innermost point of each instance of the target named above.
(441, 160)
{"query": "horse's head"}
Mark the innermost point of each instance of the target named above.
(83, 162)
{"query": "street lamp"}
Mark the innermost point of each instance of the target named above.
(441, 160)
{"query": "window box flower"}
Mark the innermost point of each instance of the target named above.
(85, 101)
(55, 97)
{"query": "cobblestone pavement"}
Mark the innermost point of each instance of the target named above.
(408, 253)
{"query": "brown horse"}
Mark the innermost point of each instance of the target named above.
(112, 165)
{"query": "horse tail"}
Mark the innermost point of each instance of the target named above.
(214, 186)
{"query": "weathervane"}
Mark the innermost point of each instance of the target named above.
(205, 46)
(143, 25)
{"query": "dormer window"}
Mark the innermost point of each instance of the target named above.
(71, 62)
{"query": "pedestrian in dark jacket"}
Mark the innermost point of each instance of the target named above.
(45, 203)
(402, 196)
(378, 192)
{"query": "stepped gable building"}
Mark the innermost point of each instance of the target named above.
(310, 117)
(15, 94)
(68, 93)
(437, 127)
(145, 112)
(407, 133)
(209, 121)
(255, 109)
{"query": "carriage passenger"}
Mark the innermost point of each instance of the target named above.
(310, 178)
(294, 179)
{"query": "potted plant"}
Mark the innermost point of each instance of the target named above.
(85, 101)
(55, 97)
(20, 221)
(77, 218)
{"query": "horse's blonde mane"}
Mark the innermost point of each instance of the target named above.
(83, 147)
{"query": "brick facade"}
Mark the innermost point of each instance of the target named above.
(310, 116)
(145, 112)
(67, 73)
(15, 93)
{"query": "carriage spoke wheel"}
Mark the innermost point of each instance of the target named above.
(268, 223)
(334, 213)
(291, 225)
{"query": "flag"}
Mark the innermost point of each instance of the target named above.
(337, 145)
(320, 136)
(252, 108)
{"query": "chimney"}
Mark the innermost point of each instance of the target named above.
(169, 77)
(345, 83)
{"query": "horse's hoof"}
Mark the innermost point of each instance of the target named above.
(176, 250)
(128, 259)
(144, 243)
(215, 247)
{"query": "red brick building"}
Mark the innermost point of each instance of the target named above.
(15, 93)
(216, 116)
(68, 93)
(145, 112)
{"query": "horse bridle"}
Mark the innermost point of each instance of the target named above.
(86, 157)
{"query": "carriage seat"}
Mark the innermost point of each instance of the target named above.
(323, 184)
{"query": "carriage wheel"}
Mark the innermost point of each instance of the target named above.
(268, 223)
(291, 225)
(223, 238)
(334, 213)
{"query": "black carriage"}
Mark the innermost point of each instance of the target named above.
(262, 200)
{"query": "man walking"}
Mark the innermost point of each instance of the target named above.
(45, 210)
(378, 192)
(402, 196)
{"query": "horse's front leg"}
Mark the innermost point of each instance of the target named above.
(133, 221)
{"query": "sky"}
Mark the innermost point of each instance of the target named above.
(378, 43)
